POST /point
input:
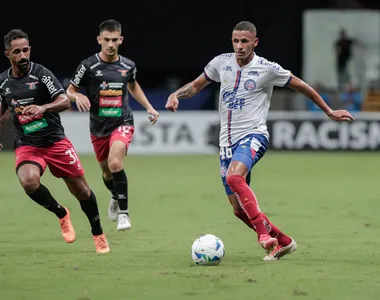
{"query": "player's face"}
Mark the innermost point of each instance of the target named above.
(110, 42)
(244, 43)
(19, 54)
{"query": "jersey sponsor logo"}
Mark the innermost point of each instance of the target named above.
(49, 84)
(227, 68)
(232, 102)
(110, 101)
(250, 85)
(254, 73)
(110, 112)
(35, 126)
(24, 119)
(32, 85)
(272, 65)
(111, 92)
(79, 75)
(111, 85)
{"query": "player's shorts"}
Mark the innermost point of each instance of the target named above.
(249, 150)
(61, 158)
(102, 145)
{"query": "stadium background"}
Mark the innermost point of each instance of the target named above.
(171, 43)
(327, 201)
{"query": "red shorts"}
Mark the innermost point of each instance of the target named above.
(102, 145)
(60, 157)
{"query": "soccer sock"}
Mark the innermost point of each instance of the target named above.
(243, 216)
(90, 208)
(274, 231)
(43, 197)
(248, 202)
(109, 185)
(120, 184)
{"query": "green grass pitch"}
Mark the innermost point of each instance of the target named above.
(329, 202)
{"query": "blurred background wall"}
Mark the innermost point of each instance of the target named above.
(172, 41)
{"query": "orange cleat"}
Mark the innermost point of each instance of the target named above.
(67, 228)
(101, 244)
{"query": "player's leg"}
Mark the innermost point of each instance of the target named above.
(30, 165)
(80, 189)
(113, 206)
(119, 143)
(101, 149)
(63, 162)
(246, 154)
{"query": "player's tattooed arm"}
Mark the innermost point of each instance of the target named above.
(192, 88)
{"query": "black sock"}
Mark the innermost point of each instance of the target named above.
(90, 208)
(109, 185)
(43, 197)
(120, 185)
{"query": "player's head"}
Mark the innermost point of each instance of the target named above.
(244, 40)
(110, 37)
(17, 49)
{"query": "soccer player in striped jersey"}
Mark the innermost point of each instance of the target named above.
(246, 86)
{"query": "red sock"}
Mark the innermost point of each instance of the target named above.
(248, 202)
(243, 216)
(282, 238)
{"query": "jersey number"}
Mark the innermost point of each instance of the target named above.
(225, 153)
(124, 130)
(73, 156)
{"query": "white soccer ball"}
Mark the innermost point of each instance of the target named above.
(207, 250)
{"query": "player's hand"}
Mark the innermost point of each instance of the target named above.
(82, 102)
(172, 103)
(341, 115)
(1, 147)
(34, 110)
(153, 115)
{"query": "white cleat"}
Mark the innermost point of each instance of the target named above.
(113, 210)
(280, 251)
(123, 222)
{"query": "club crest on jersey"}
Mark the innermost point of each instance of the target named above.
(123, 72)
(32, 85)
(250, 85)
(98, 73)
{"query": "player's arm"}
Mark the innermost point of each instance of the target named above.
(187, 91)
(300, 86)
(136, 91)
(77, 81)
(60, 103)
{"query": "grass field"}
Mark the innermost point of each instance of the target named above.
(328, 202)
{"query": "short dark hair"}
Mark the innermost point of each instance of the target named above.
(110, 25)
(14, 34)
(245, 26)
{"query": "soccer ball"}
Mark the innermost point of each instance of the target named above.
(207, 250)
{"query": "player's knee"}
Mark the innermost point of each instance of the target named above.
(30, 183)
(234, 180)
(114, 164)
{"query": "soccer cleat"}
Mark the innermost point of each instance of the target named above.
(267, 242)
(280, 251)
(123, 222)
(101, 244)
(67, 228)
(113, 210)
